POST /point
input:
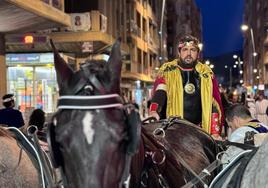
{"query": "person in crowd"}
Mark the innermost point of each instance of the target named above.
(243, 129)
(225, 104)
(243, 98)
(250, 103)
(187, 88)
(9, 116)
(37, 118)
(137, 107)
(240, 122)
(261, 108)
(234, 97)
(144, 108)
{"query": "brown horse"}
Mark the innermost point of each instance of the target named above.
(92, 135)
(16, 168)
(168, 158)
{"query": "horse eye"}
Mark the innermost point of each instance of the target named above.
(88, 87)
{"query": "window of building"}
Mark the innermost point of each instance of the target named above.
(118, 19)
(151, 60)
(139, 59)
(138, 19)
(128, 66)
(145, 63)
(144, 25)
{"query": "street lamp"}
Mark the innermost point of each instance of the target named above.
(207, 62)
(161, 30)
(245, 27)
(238, 63)
(211, 66)
(230, 76)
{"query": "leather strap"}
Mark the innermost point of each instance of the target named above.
(205, 172)
(90, 102)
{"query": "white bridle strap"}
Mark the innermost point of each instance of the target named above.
(90, 102)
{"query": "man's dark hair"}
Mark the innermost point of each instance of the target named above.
(8, 100)
(237, 110)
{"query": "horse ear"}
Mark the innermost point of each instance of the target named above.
(63, 70)
(115, 64)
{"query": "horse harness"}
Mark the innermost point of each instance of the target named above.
(93, 102)
(238, 165)
(32, 152)
(150, 156)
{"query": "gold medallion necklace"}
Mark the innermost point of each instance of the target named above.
(189, 87)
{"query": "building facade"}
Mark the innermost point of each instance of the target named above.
(256, 39)
(183, 17)
(93, 28)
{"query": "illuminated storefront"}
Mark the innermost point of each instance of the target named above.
(32, 79)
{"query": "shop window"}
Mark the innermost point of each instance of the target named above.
(33, 87)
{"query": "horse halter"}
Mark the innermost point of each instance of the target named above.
(109, 101)
(70, 102)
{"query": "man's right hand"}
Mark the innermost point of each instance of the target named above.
(155, 115)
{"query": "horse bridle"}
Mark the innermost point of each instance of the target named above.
(90, 103)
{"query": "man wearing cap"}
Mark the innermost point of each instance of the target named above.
(187, 88)
(10, 116)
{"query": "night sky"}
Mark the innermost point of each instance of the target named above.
(221, 26)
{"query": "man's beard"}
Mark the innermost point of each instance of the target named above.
(185, 64)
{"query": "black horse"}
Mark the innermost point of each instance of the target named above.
(174, 153)
(92, 135)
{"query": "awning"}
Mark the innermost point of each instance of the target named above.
(68, 42)
(20, 16)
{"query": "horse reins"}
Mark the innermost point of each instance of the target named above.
(197, 177)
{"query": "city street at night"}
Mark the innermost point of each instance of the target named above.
(133, 93)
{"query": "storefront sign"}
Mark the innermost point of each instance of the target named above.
(14, 59)
(46, 58)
